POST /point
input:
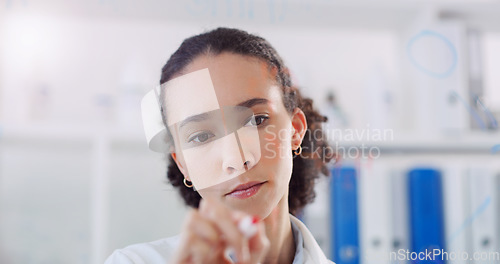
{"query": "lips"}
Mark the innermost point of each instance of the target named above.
(246, 190)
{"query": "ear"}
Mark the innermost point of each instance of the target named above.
(299, 124)
(179, 164)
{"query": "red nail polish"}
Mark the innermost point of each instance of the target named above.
(255, 219)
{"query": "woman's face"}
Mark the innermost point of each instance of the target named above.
(233, 136)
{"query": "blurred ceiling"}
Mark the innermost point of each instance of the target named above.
(393, 14)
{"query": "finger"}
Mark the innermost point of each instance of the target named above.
(197, 250)
(202, 227)
(259, 244)
(218, 252)
(203, 252)
(183, 254)
(205, 229)
(222, 217)
(200, 252)
(196, 229)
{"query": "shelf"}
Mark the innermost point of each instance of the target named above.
(476, 142)
(71, 133)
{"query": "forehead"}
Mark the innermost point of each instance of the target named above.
(211, 82)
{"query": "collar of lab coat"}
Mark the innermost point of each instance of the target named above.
(312, 252)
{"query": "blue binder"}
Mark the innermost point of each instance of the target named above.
(426, 213)
(344, 202)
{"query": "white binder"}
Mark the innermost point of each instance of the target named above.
(456, 215)
(375, 212)
(317, 215)
(399, 214)
(483, 216)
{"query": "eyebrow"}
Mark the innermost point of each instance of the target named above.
(195, 118)
(204, 116)
(252, 102)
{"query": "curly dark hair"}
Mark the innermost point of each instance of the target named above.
(307, 166)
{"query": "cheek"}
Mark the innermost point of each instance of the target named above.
(276, 148)
(199, 167)
(278, 159)
(205, 164)
(222, 159)
(207, 192)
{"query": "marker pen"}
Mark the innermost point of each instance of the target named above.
(248, 227)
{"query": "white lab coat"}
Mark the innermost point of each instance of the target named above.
(160, 251)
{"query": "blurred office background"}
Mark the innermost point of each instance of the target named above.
(78, 181)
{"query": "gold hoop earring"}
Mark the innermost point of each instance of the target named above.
(186, 183)
(298, 151)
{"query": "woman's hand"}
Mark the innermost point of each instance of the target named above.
(213, 228)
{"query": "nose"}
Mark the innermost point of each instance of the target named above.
(235, 160)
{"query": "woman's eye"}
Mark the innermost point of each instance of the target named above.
(256, 120)
(201, 137)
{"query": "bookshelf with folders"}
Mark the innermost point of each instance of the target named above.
(431, 194)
